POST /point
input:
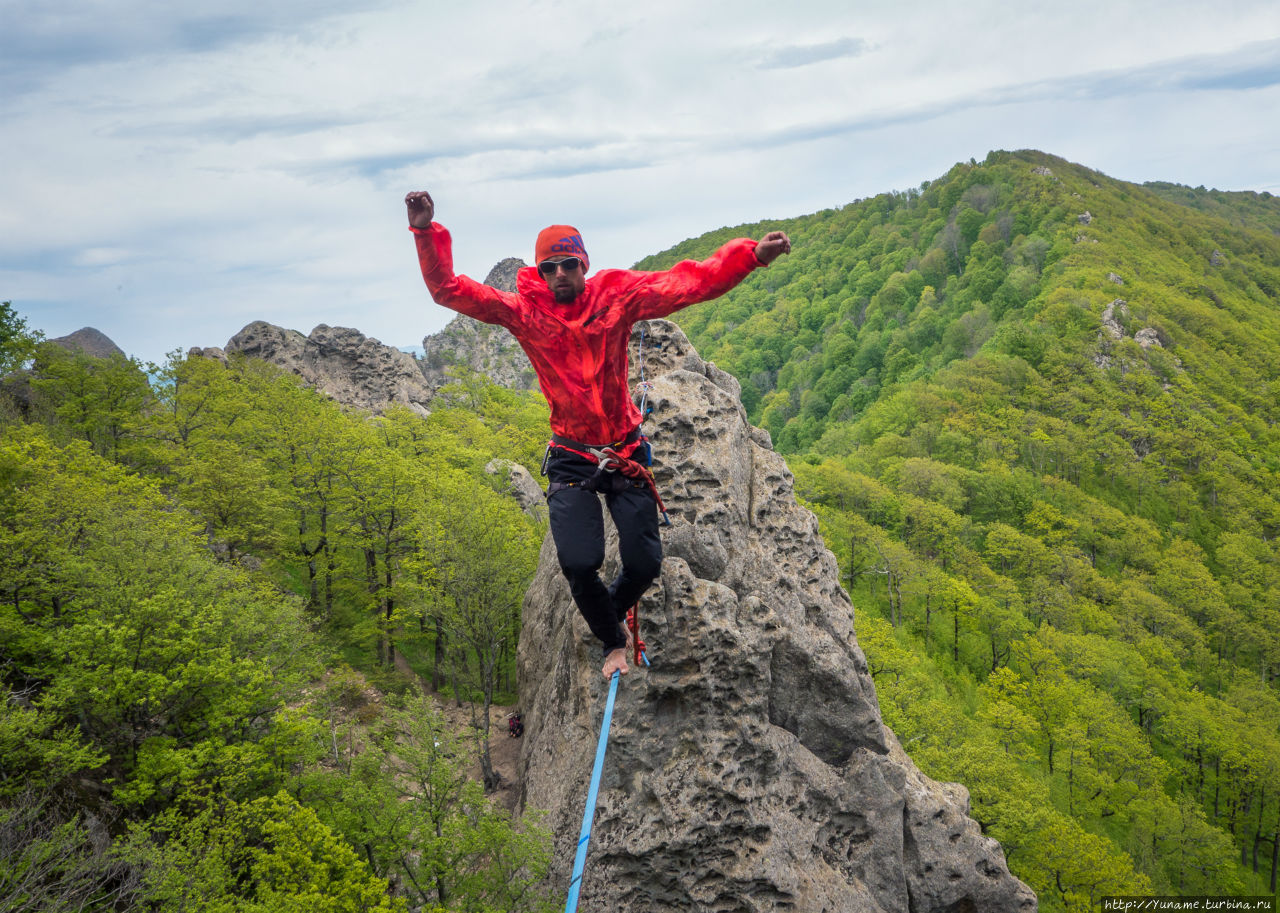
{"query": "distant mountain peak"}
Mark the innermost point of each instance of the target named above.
(90, 342)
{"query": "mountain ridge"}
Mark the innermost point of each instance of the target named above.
(1036, 411)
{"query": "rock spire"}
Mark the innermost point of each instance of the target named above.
(748, 769)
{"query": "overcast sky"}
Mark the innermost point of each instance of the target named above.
(170, 172)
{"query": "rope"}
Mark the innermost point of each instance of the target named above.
(580, 860)
(633, 625)
(644, 386)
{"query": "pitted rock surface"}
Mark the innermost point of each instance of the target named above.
(340, 362)
(748, 769)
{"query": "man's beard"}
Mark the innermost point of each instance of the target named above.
(564, 295)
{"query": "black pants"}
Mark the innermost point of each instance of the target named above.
(577, 526)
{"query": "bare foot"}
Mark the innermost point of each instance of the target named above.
(631, 641)
(616, 661)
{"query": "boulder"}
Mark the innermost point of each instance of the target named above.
(342, 363)
(211, 352)
(748, 769)
(1114, 312)
(521, 485)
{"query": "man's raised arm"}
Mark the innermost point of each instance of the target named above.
(690, 281)
(435, 257)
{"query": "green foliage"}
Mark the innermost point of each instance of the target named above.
(481, 552)
(1061, 542)
(17, 343)
(1245, 209)
(98, 400)
(265, 855)
(405, 799)
(178, 560)
(122, 628)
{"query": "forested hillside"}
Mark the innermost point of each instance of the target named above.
(210, 586)
(1035, 409)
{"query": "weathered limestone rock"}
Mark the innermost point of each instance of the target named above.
(481, 347)
(340, 362)
(1148, 337)
(521, 485)
(211, 352)
(748, 769)
(359, 371)
(1110, 322)
(1112, 332)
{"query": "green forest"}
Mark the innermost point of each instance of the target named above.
(1034, 408)
(220, 594)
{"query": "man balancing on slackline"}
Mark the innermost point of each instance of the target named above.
(575, 331)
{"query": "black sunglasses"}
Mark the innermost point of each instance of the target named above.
(570, 264)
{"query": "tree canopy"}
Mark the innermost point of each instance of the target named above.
(1035, 409)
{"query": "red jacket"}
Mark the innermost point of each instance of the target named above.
(579, 349)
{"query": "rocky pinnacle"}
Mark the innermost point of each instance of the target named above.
(748, 769)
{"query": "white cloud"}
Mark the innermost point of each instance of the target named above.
(170, 175)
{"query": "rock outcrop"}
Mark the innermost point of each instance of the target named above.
(342, 363)
(359, 371)
(1112, 314)
(521, 485)
(748, 769)
(91, 342)
(1112, 331)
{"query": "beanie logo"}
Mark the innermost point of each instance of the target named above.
(572, 244)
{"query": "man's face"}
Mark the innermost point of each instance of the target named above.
(565, 277)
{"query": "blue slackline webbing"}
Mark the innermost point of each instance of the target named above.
(580, 860)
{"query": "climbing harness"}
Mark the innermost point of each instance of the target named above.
(588, 813)
(609, 459)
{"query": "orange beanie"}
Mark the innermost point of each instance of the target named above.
(560, 241)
